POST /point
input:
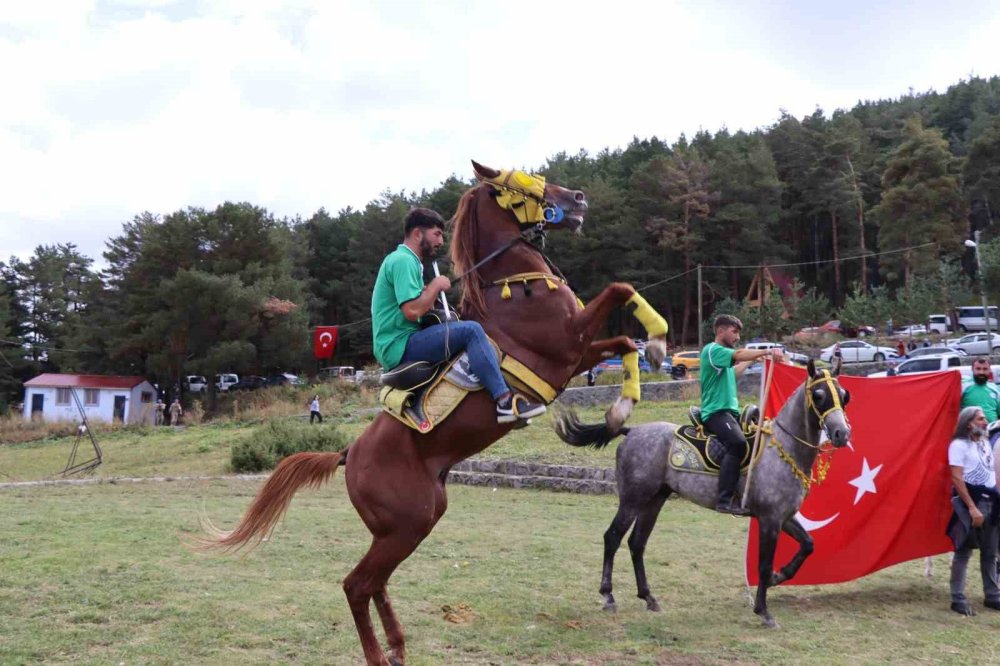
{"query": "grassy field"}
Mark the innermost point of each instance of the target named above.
(98, 575)
(203, 450)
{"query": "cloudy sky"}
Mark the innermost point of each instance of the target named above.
(114, 107)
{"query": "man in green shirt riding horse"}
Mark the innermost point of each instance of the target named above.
(400, 299)
(721, 364)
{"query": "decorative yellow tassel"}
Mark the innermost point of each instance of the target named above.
(552, 285)
(505, 292)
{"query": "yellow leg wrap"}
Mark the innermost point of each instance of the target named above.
(649, 318)
(630, 387)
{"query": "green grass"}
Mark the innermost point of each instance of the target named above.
(97, 575)
(203, 450)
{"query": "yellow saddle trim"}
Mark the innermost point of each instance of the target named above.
(523, 378)
(687, 456)
(442, 396)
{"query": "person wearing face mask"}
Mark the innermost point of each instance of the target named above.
(981, 392)
(976, 507)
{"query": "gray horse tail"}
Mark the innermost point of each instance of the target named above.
(571, 430)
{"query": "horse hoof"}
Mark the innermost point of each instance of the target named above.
(769, 622)
(609, 604)
(651, 604)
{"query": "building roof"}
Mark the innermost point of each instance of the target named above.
(84, 381)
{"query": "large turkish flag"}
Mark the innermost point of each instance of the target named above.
(324, 341)
(885, 499)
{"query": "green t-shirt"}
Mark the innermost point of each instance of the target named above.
(985, 396)
(400, 279)
(718, 381)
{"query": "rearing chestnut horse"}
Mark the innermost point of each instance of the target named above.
(396, 476)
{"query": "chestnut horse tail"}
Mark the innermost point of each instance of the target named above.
(271, 502)
(574, 432)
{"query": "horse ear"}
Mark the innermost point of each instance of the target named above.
(811, 368)
(484, 172)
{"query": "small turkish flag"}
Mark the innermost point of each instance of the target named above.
(324, 341)
(886, 497)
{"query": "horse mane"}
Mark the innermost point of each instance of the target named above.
(465, 239)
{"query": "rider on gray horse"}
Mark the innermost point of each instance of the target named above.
(720, 407)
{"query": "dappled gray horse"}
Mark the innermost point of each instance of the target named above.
(780, 480)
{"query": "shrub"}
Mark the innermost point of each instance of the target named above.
(278, 439)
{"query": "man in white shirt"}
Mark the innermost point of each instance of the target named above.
(970, 459)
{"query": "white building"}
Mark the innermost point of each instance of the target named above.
(49, 397)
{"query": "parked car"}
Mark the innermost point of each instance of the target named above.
(933, 351)
(972, 318)
(249, 383)
(341, 372)
(689, 360)
(922, 364)
(939, 323)
(615, 365)
(791, 356)
(976, 344)
(195, 384)
(226, 381)
(858, 351)
(912, 329)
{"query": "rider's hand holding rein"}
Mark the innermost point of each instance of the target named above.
(418, 307)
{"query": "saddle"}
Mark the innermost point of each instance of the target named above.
(695, 450)
(422, 395)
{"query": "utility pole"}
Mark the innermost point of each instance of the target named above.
(982, 292)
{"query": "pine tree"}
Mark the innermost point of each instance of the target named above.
(921, 202)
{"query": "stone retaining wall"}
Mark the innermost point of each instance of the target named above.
(517, 474)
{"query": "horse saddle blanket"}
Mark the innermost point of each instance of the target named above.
(425, 406)
(694, 450)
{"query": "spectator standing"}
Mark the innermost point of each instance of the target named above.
(980, 391)
(901, 348)
(976, 508)
(314, 410)
(158, 414)
(176, 411)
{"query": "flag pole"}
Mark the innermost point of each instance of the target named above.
(760, 429)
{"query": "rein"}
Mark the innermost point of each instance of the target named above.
(805, 479)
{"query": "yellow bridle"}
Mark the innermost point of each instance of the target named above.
(824, 377)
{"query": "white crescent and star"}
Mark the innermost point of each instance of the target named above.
(865, 483)
(325, 338)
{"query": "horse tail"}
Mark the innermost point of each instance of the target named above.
(271, 502)
(571, 430)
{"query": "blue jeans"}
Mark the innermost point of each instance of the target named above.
(443, 341)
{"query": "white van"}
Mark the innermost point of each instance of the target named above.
(938, 323)
(195, 383)
(972, 318)
(225, 381)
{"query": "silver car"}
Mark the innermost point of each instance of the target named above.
(858, 351)
(978, 344)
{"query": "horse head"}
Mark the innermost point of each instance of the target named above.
(532, 200)
(826, 399)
